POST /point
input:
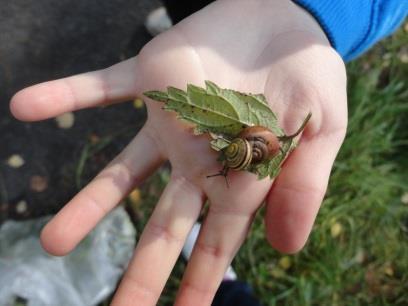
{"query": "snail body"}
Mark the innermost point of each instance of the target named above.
(253, 145)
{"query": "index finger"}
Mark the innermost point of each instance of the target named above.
(116, 83)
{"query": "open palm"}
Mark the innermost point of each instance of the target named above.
(266, 47)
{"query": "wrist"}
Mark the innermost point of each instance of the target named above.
(306, 21)
(279, 16)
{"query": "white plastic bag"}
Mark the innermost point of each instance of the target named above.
(84, 277)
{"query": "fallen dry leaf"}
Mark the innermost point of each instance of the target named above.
(336, 229)
(135, 197)
(94, 139)
(277, 272)
(388, 269)
(21, 207)
(38, 183)
(404, 198)
(285, 262)
(403, 55)
(138, 103)
(15, 161)
(65, 121)
(360, 256)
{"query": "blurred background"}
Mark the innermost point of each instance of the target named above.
(358, 251)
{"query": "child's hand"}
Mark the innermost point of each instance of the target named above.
(270, 47)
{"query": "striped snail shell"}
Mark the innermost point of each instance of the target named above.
(253, 145)
(238, 154)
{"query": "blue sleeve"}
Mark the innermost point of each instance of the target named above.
(353, 26)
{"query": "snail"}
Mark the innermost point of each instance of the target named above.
(253, 145)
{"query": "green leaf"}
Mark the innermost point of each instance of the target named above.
(224, 113)
(217, 110)
(219, 143)
(261, 115)
(156, 95)
(253, 108)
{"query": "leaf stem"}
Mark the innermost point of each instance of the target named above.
(300, 129)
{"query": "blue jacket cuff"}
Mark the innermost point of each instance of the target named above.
(352, 26)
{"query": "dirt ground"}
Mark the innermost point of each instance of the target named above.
(43, 40)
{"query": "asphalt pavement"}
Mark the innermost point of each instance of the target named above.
(48, 39)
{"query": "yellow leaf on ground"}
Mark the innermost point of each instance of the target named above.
(38, 183)
(277, 272)
(360, 256)
(21, 207)
(94, 139)
(65, 121)
(336, 229)
(15, 161)
(403, 55)
(138, 103)
(285, 262)
(135, 197)
(404, 198)
(388, 270)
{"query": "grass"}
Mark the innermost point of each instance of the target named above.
(357, 253)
